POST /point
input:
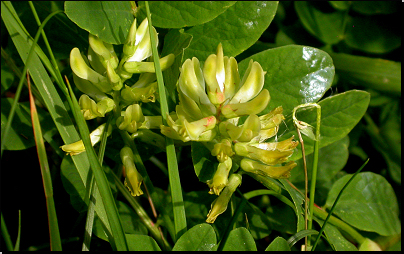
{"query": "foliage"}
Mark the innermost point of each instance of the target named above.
(175, 158)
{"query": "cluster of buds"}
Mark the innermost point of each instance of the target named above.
(102, 78)
(212, 100)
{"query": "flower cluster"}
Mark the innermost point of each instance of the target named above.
(212, 101)
(216, 107)
(101, 76)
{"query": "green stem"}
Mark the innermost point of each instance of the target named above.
(314, 171)
(174, 178)
(154, 231)
(52, 57)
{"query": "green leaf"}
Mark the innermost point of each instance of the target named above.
(368, 203)
(178, 14)
(240, 239)
(20, 136)
(7, 77)
(131, 222)
(298, 202)
(239, 27)
(374, 34)
(335, 238)
(328, 27)
(380, 74)
(339, 114)
(295, 75)
(331, 160)
(200, 237)
(109, 21)
(278, 244)
(73, 184)
(141, 243)
(204, 163)
(176, 41)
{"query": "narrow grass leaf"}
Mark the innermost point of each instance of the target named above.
(119, 239)
(55, 242)
(175, 184)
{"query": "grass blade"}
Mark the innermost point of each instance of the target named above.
(23, 42)
(17, 242)
(5, 234)
(55, 242)
(119, 239)
(174, 177)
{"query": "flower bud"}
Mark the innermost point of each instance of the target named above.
(254, 106)
(214, 75)
(104, 50)
(244, 133)
(88, 107)
(140, 67)
(88, 88)
(113, 78)
(251, 85)
(78, 147)
(369, 245)
(222, 150)
(189, 106)
(259, 168)
(131, 118)
(145, 79)
(272, 119)
(219, 206)
(221, 76)
(133, 179)
(139, 48)
(219, 180)
(195, 129)
(192, 84)
(270, 157)
(136, 94)
(81, 69)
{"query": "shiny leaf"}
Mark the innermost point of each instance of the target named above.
(240, 239)
(295, 75)
(368, 203)
(178, 14)
(239, 27)
(278, 244)
(109, 21)
(200, 237)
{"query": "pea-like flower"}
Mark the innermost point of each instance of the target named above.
(131, 119)
(220, 204)
(95, 136)
(133, 179)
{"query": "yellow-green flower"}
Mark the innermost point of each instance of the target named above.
(78, 147)
(220, 178)
(133, 179)
(219, 205)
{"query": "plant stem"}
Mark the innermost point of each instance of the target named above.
(314, 171)
(306, 184)
(174, 178)
(154, 231)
